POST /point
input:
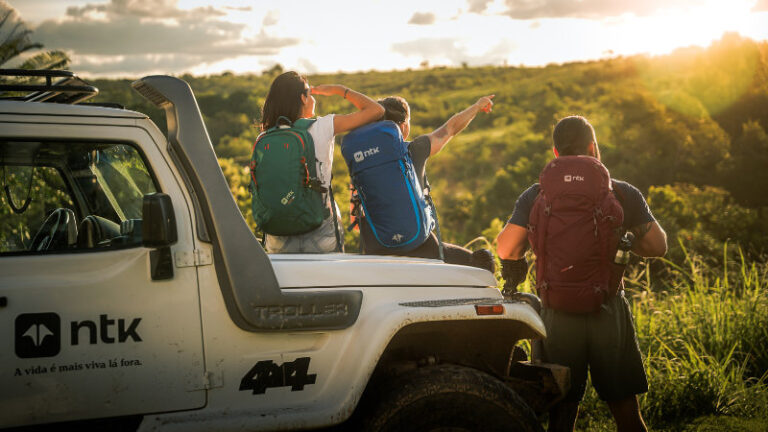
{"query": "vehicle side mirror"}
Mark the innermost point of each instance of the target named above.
(158, 228)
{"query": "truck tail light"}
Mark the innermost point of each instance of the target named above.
(496, 309)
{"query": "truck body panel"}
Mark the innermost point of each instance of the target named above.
(339, 362)
(126, 344)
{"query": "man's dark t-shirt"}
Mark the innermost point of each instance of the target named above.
(636, 211)
(420, 148)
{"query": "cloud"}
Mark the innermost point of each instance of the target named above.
(139, 64)
(239, 8)
(422, 18)
(478, 6)
(308, 67)
(437, 49)
(761, 5)
(143, 9)
(427, 47)
(271, 18)
(128, 35)
(132, 36)
(528, 9)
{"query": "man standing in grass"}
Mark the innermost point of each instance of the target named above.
(589, 327)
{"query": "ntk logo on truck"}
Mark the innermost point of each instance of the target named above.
(39, 334)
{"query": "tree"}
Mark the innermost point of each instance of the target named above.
(16, 43)
(274, 71)
(748, 177)
(704, 219)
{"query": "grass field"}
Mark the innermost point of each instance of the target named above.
(704, 335)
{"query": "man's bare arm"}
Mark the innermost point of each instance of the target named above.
(650, 240)
(440, 136)
(511, 242)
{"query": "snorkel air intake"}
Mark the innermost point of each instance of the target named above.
(247, 280)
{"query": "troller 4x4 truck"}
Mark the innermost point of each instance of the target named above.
(133, 294)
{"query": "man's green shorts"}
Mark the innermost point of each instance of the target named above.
(604, 342)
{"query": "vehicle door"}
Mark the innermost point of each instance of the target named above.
(92, 323)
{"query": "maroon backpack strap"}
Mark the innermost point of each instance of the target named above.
(541, 256)
(619, 194)
(538, 233)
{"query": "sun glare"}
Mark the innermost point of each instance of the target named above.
(674, 28)
(718, 80)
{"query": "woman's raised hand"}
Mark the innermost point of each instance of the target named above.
(327, 89)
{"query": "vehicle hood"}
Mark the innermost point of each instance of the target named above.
(349, 270)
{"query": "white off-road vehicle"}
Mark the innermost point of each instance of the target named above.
(134, 296)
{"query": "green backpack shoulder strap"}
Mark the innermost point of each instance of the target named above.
(303, 123)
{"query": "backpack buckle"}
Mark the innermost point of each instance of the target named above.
(315, 185)
(355, 213)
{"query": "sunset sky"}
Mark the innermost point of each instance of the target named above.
(138, 37)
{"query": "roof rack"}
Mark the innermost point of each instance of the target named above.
(70, 89)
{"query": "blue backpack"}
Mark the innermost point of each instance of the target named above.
(382, 172)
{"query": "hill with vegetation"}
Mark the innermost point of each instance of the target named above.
(689, 129)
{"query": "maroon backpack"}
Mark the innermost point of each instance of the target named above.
(574, 229)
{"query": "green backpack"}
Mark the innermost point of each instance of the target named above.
(287, 197)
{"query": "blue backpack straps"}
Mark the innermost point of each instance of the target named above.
(391, 196)
(428, 197)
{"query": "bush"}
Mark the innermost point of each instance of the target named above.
(704, 334)
(705, 219)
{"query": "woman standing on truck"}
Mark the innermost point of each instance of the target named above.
(291, 96)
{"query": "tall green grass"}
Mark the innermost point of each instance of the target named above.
(704, 335)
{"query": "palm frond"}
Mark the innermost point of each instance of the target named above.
(16, 41)
(47, 60)
(7, 12)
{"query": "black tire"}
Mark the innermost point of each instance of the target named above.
(448, 398)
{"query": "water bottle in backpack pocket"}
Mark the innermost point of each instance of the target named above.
(382, 173)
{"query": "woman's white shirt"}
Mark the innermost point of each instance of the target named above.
(323, 136)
